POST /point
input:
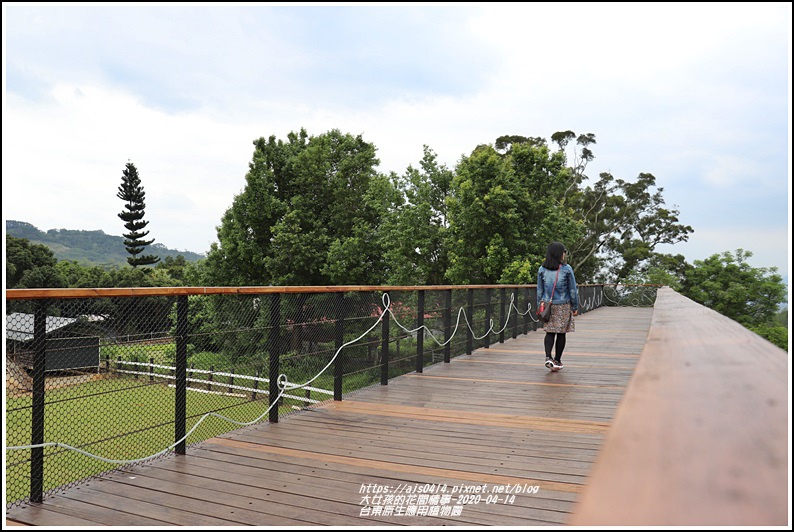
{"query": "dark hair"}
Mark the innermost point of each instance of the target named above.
(554, 256)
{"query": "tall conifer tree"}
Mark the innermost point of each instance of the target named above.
(132, 193)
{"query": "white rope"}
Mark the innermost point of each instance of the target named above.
(386, 308)
(167, 449)
(635, 300)
(457, 323)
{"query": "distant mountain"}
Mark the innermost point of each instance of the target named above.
(90, 248)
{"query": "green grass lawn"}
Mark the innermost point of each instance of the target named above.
(127, 418)
(120, 419)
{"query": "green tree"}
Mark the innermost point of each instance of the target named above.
(482, 216)
(623, 222)
(776, 334)
(726, 283)
(414, 229)
(781, 318)
(308, 215)
(579, 159)
(75, 275)
(174, 267)
(504, 209)
(505, 142)
(195, 273)
(131, 191)
(668, 270)
(30, 265)
(542, 179)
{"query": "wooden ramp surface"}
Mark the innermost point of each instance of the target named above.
(490, 439)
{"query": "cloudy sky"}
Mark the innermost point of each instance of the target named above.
(696, 94)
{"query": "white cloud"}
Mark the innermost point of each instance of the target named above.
(693, 94)
(728, 170)
(71, 155)
(769, 248)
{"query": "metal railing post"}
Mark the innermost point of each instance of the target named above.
(502, 324)
(180, 375)
(420, 334)
(384, 350)
(488, 303)
(447, 325)
(515, 320)
(273, 349)
(37, 406)
(339, 333)
(469, 334)
(534, 310)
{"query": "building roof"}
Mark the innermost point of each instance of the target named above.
(19, 326)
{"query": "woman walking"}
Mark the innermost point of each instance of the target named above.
(557, 284)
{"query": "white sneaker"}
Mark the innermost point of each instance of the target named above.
(557, 365)
(549, 363)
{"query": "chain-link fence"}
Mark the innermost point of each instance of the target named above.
(96, 381)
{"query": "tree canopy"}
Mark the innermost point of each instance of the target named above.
(30, 265)
(314, 211)
(414, 230)
(308, 215)
(504, 209)
(728, 284)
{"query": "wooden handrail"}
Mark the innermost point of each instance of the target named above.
(58, 293)
(701, 436)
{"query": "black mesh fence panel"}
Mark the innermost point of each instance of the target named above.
(95, 384)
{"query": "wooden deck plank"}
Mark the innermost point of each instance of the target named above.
(472, 417)
(246, 508)
(274, 474)
(429, 447)
(398, 464)
(412, 460)
(332, 512)
(172, 499)
(569, 456)
(38, 514)
(274, 487)
(494, 418)
(111, 503)
(378, 473)
(328, 483)
(464, 437)
(457, 434)
(103, 509)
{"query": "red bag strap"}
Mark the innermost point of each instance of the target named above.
(555, 284)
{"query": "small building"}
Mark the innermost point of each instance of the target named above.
(71, 343)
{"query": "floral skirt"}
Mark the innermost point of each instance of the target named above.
(561, 320)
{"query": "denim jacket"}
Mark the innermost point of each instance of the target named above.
(566, 290)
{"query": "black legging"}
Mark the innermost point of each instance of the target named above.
(558, 348)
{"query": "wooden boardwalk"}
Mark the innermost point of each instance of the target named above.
(494, 420)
